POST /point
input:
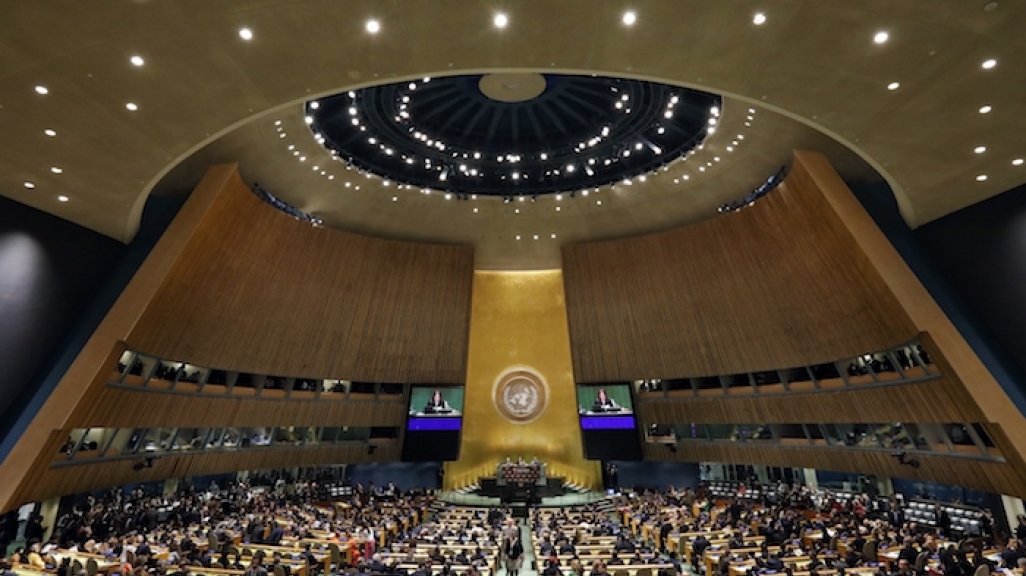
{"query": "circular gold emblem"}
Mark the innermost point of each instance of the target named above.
(520, 395)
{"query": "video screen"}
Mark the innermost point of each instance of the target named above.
(608, 427)
(433, 423)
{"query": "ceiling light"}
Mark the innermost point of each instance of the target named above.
(302, 158)
(63, 198)
(517, 211)
(41, 90)
(981, 178)
(1017, 162)
(598, 202)
(985, 109)
(518, 236)
(131, 106)
(245, 33)
(759, 19)
(395, 198)
(372, 26)
(137, 60)
(553, 236)
(558, 208)
(500, 20)
(630, 17)
(29, 185)
(535, 236)
(881, 37)
(893, 86)
(988, 64)
(50, 132)
(980, 149)
(56, 170)
(730, 148)
(475, 210)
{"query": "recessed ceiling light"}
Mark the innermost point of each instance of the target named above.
(980, 149)
(985, 109)
(29, 185)
(372, 26)
(302, 158)
(517, 211)
(137, 60)
(1017, 162)
(63, 198)
(50, 132)
(553, 236)
(598, 202)
(535, 236)
(893, 86)
(518, 236)
(558, 208)
(245, 33)
(475, 210)
(41, 90)
(981, 178)
(500, 20)
(630, 17)
(395, 198)
(131, 106)
(759, 19)
(988, 64)
(56, 170)
(881, 37)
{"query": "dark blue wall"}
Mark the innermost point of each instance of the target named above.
(405, 475)
(658, 475)
(937, 256)
(80, 276)
(50, 269)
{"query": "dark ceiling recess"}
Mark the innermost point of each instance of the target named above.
(566, 133)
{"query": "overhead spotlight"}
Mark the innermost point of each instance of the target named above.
(893, 86)
(881, 37)
(985, 109)
(629, 18)
(372, 26)
(131, 106)
(759, 19)
(1017, 162)
(137, 60)
(42, 90)
(500, 20)
(981, 178)
(245, 33)
(989, 63)
(980, 149)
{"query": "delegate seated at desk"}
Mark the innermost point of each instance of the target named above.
(603, 403)
(437, 405)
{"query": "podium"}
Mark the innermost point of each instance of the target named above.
(527, 483)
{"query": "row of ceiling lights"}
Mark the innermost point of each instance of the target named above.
(280, 129)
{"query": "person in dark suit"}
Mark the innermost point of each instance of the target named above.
(513, 551)
(603, 403)
(437, 404)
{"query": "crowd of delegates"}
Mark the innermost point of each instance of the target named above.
(783, 519)
(197, 528)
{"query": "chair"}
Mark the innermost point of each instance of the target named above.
(921, 560)
(621, 572)
(869, 551)
(982, 570)
(833, 543)
(130, 557)
(92, 567)
(279, 570)
(336, 555)
(76, 568)
(644, 572)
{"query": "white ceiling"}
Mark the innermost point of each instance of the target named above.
(812, 61)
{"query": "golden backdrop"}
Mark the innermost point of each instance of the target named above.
(518, 321)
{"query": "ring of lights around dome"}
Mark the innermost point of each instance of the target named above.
(579, 132)
(512, 87)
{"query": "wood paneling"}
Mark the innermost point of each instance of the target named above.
(990, 476)
(127, 408)
(930, 401)
(50, 482)
(258, 291)
(776, 285)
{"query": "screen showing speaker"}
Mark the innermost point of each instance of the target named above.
(608, 426)
(433, 423)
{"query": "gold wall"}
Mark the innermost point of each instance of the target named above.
(518, 320)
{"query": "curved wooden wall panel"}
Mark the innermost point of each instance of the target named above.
(123, 408)
(255, 290)
(776, 285)
(990, 476)
(930, 401)
(74, 479)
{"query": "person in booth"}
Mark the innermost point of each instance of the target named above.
(603, 403)
(437, 404)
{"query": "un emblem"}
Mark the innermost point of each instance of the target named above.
(520, 395)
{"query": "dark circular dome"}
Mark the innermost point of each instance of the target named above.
(516, 134)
